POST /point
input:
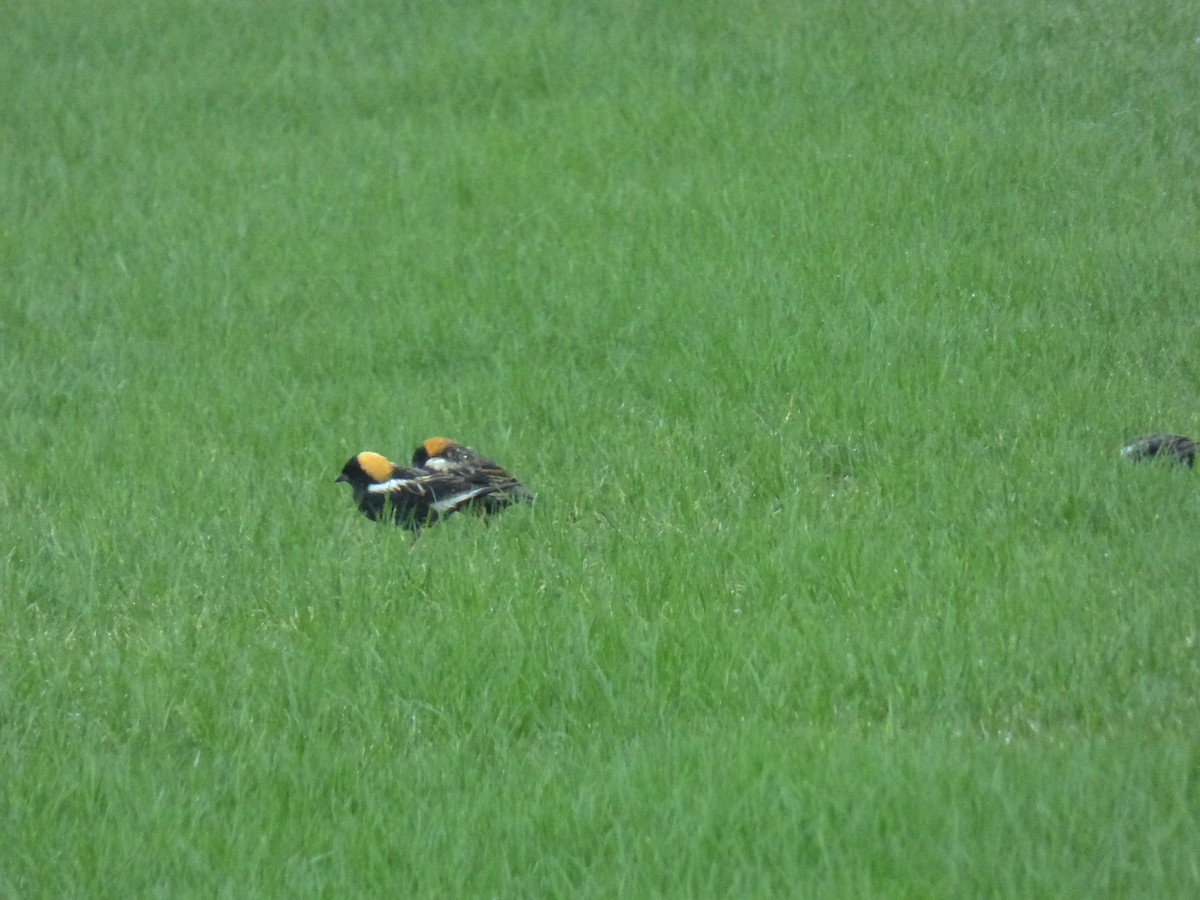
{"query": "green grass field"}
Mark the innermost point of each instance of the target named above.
(815, 326)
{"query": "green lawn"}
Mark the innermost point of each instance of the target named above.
(815, 327)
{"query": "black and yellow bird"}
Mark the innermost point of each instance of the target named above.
(416, 496)
(1174, 447)
(439, 454)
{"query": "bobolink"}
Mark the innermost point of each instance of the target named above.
(1149, 446)
(439, 454)
(414, 496)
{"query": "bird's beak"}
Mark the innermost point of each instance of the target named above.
(340, 478)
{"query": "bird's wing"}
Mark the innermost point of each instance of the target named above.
(420, 496)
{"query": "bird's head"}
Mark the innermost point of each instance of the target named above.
(431, 448)
(366, 468)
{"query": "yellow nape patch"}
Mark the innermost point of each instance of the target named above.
(435, 446)
(378, 468)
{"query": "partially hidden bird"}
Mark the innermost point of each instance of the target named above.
(439, 454)
(1172, 447)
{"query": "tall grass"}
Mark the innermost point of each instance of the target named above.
(814, 327)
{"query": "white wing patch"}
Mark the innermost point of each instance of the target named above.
(394, 484)
(455, 500)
